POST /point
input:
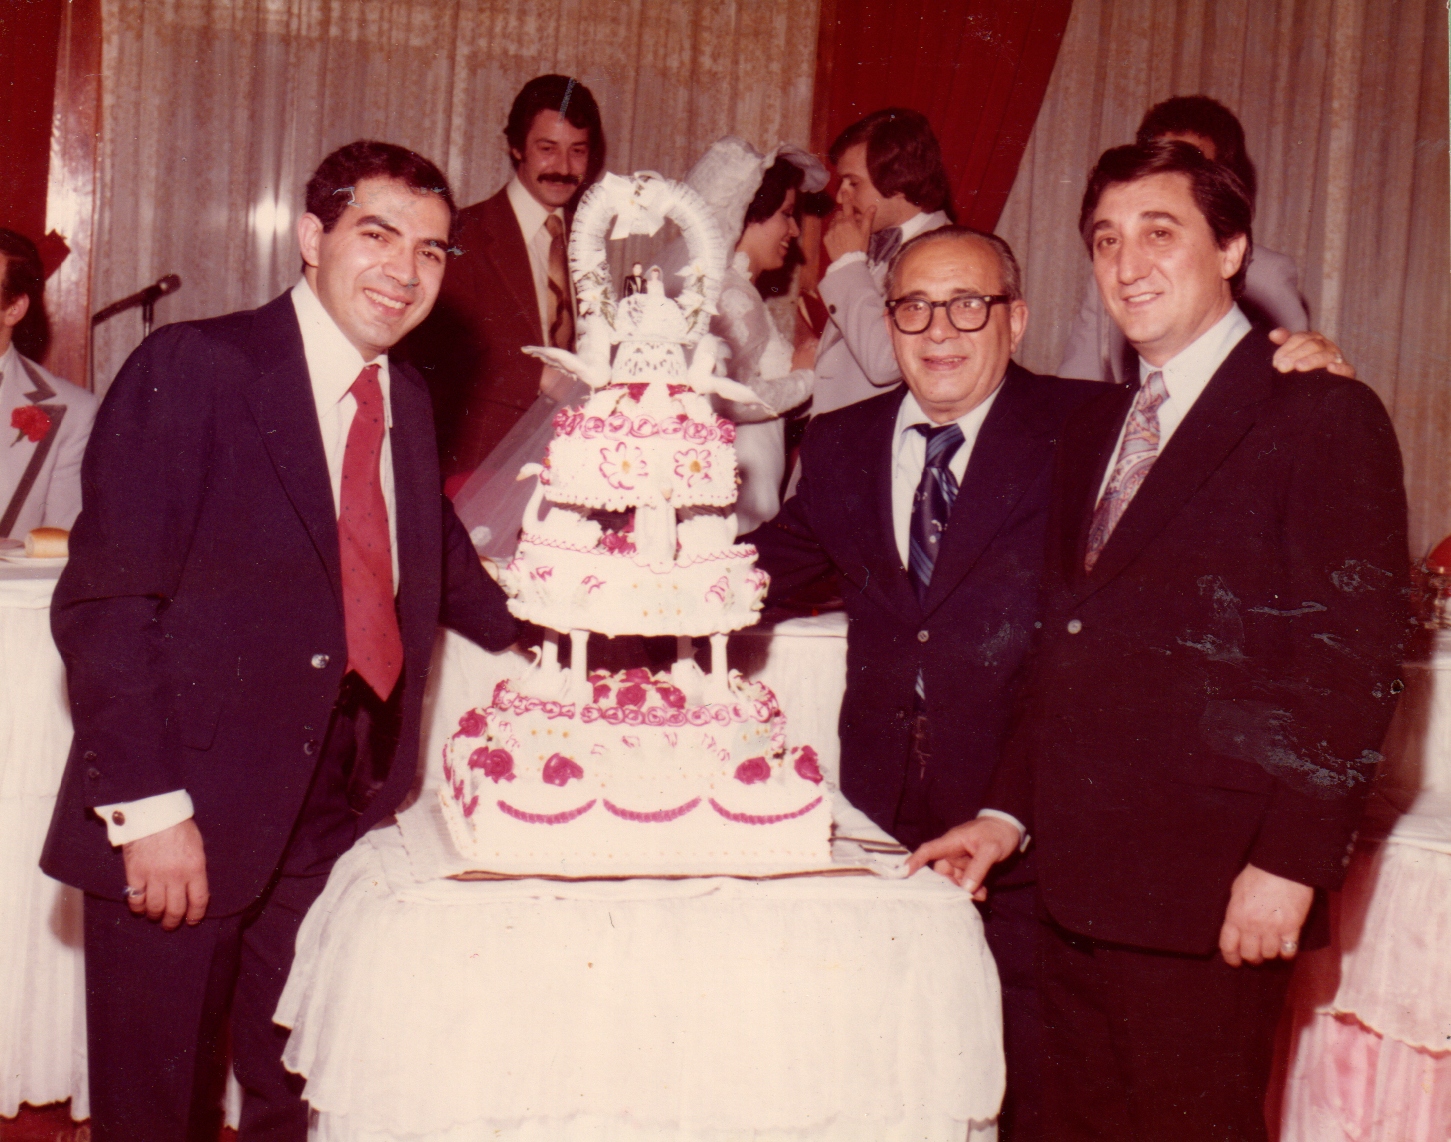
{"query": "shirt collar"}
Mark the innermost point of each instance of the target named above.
(530, 212)
(1188, 371)
(921, 222)
(333, 362)
(910, 413)
(10, 361)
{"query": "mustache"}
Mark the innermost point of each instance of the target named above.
(562, 179)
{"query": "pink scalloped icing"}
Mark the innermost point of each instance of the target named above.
(545, 818)
(753, 819)
(657, 817)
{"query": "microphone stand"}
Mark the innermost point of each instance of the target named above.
(147, 299)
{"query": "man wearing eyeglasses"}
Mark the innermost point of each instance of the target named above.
(930, 501)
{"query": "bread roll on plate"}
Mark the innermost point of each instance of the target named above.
(47, 543)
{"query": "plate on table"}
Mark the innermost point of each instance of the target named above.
(13, 551)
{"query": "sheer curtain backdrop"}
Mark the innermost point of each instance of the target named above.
(216, 111)
(1344, 104)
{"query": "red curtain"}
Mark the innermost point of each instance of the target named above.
(977, 69)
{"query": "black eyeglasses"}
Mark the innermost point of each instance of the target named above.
(967, 312)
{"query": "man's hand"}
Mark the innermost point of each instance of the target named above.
(965, 854)
(1301, 352)
(554, 384)
(850, 229)
(1264, 917)
(167, 874)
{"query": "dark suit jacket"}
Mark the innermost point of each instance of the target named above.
(1215, 692)
(970, 637)
(469, 349)
(199, 616)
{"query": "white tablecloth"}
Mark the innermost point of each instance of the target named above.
(42, 986)
(711, 1009)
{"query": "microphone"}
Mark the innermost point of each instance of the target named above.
(145, 297)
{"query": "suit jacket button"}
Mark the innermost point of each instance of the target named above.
(922, 636)
(1074, 626)
(89, 755)
(93, 774)
(831, 309)
(118, 817)
(319, 661)
(309, 747)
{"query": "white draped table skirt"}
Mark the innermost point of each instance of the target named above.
(853, 1008)
(42, 985)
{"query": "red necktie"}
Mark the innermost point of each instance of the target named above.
(375, 648)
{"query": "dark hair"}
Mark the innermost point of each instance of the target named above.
(22, 275)
(329, 189)
(902, 156)
(1200, 115)
(575, 104)
(1009, 271)
(781, 176)
(1217, 190)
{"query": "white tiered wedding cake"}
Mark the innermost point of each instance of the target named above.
(585, 773)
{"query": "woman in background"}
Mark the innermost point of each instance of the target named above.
(753, 198)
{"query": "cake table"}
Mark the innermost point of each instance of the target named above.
(820, 1007)
(1370, 1053)
(42, 986)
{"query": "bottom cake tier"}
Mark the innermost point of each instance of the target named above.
(632, 780)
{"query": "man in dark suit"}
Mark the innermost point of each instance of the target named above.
(1221, 634)
(510, 285)
(247, 617)
(937, 636)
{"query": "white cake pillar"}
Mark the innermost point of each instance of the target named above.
(717, 685)
(549, 651)
(578, 655)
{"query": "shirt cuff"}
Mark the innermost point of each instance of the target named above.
(849, 258)
(1010, 819)
(128, 821)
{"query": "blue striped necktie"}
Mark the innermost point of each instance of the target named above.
(932, 504)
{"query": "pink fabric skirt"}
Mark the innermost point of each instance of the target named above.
(1349, 1083)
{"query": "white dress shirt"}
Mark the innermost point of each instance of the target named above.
(909, 456)
(1186, 375)
(530, 214)
(333, 364)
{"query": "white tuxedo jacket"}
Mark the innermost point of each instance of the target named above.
(40, 479)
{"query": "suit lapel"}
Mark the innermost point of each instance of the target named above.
(864, 509)
(39, 392)
(280, 398)
(502, 245)
(1223, 414)
(1008, 456)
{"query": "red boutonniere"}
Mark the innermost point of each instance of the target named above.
(32, 422)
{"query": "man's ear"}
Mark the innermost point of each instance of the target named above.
(1231, 257)
(14, 313)
(309, 239)
(1018, 321)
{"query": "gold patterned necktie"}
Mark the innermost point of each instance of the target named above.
(560, 308)
(1136, 456)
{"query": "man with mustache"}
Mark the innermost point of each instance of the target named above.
(509, 286)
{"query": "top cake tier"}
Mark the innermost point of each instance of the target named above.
(641, 444)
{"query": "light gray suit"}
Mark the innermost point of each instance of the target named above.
(40, 479)
(855, 360)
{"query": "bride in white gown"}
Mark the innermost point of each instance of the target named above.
(753, 197)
